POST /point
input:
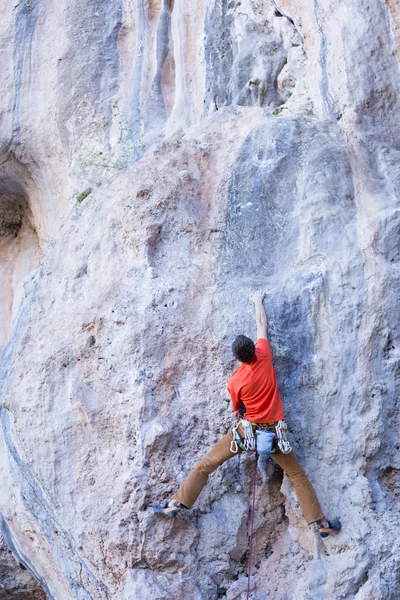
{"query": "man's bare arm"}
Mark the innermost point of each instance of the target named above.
(261, 318)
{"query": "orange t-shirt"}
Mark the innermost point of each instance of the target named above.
(254, 390)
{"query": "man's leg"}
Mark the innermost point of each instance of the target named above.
(304, 490)
(197, 478)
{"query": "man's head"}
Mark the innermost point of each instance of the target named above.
(243, 349)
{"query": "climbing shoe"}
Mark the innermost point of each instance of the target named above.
(334, 526)
(170, 509)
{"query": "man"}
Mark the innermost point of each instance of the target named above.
(256, 400)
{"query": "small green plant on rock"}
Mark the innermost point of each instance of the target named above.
(277, 111)
(80, 197)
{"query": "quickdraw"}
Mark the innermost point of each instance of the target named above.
(246, 443)
(283, 442)
(237, 440)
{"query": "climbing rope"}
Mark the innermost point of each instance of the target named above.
(252, 526)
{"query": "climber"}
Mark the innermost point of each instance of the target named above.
(257, 407)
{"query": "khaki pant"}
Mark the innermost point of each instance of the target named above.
(221, 452)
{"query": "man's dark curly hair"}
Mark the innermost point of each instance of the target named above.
(243, 349)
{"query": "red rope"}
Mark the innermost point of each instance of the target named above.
(252, 526)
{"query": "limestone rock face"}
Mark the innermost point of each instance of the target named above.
(161, 159)
(16, 583)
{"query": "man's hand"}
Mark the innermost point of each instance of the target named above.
(261, 319)
(237, 414)
(257, 296)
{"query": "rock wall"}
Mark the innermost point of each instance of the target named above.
(16, 583)
(159, 160)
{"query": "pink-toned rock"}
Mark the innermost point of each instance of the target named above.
(159, 160)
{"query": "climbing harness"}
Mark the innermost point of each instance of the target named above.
(264, 440)
(283, 442)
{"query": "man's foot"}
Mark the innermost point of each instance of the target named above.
(170, 509)
(326, 527)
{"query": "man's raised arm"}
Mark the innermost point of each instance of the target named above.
(261, 318)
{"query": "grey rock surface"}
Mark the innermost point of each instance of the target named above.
(16, 583)
(159, 160)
